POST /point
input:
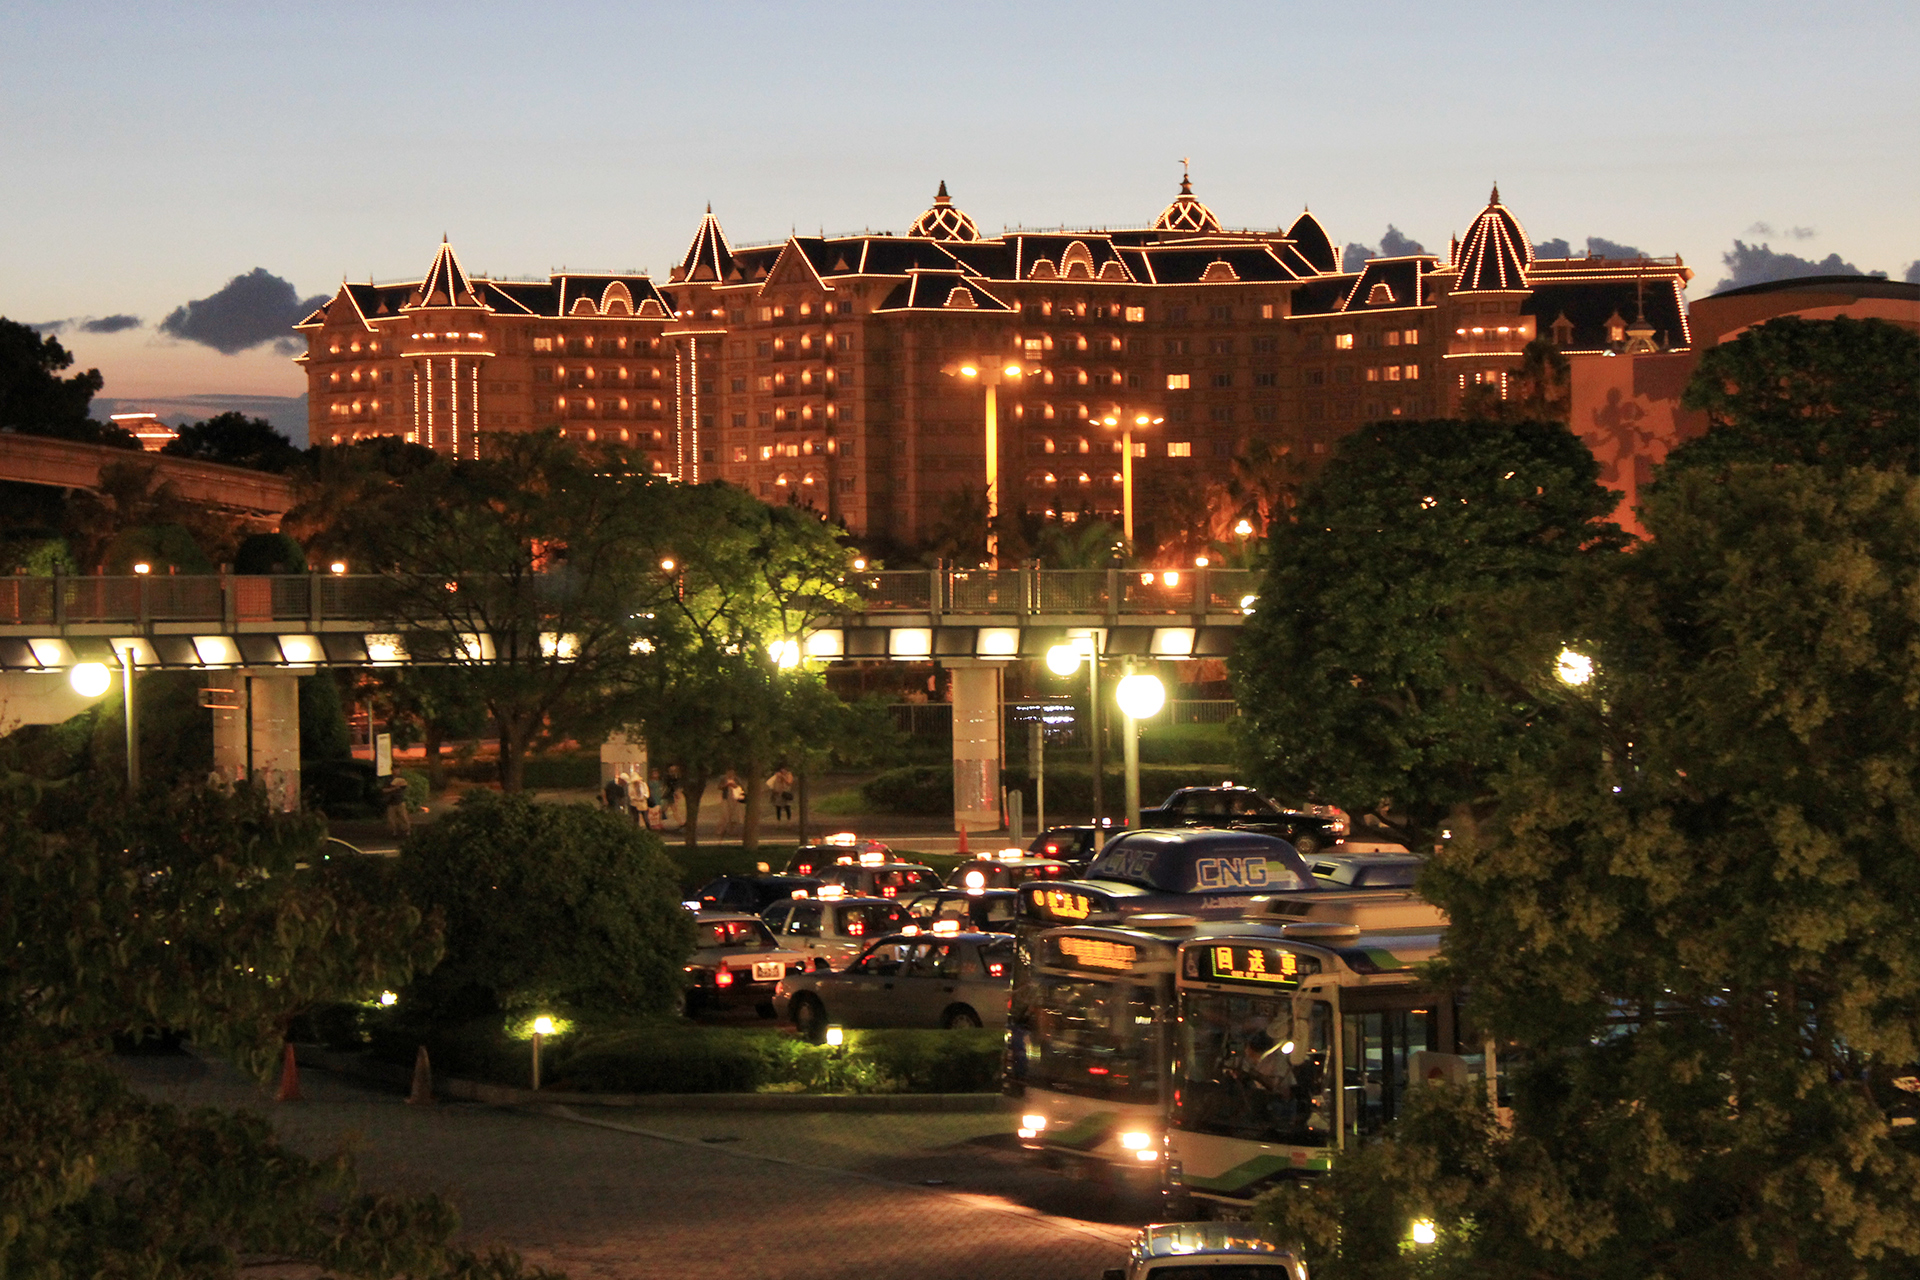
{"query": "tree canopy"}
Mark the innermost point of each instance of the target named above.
(1699, 914)
(236, 440)
(1361, 672)
(1840, 392)
(36, 400)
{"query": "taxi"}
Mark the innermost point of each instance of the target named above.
(1007, 869)
(989, 910)
(944, 978)
(737, 962)
(1196, 1250)
(833, 927)
(877, 875)
(841, 846)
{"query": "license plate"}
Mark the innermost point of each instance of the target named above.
(768, 970)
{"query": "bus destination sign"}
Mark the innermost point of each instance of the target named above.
(1061, 904)
(1269, 966)
(1094, 953)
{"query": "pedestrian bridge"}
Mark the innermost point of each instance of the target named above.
(321, 619)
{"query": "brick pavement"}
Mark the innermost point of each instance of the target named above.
(625, 1195)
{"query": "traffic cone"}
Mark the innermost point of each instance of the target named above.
(422, 1095)
(289, 1078)
(963, 837)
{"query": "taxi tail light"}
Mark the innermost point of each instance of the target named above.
(723, 977)
(888, 892)
(856, 928)
(996, 969)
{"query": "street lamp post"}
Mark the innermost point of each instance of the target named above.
(990, 374)
(1139, 696)
(1127, 423)
(1064, 660)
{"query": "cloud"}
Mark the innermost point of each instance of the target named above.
(1913, 272)
(1392, 245)
(109, 324)
(1791, 233)
(1601, 247)
(1553, 249)
(252, 309)
(50, 326)
(1759, 263)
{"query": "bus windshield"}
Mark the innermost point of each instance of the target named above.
(1094, 1037)
(1251, 1068)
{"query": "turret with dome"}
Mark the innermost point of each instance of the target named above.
(944, 221)
(1186, 213)
(1496, 253)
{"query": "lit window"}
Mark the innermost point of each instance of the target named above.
(1393, 373)
(1393, 337)
(1139, 449)
(766, 453)
(1179, 448)
(1413, 373)
(1410, 336)
(1343, 341)
(1266, 311)
(1136, 315)
(1179, 381)
(1373, 375)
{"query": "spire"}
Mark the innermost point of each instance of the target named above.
(709, 257)
(941, 196)
(1495, 197)
(446, 283)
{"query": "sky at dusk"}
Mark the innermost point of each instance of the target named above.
(154, 152)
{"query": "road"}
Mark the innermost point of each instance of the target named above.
(618, 1194)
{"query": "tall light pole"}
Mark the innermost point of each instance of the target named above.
(1064, 660)
(990, 374)
(1126, 423)
(1139, 696)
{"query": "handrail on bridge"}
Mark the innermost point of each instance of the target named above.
(314, 599)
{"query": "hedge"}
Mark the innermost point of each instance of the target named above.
(928, 789)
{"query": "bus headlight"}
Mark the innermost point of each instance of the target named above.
(1136, 1141)
(1146, 1155)
(1035, 1123)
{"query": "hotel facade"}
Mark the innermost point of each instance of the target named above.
(821, 369)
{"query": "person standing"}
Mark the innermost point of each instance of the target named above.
(616, 794)
(399, 821)
(780, 792)
(731, 794)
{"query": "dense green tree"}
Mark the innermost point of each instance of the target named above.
(1841, 392)
(36, 400)
(1361, 671)
(209, 915)
(551, 908)
(1699, 913)
(236, 440)
(1540, 389)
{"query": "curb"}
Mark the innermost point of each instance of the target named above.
(359, 1067)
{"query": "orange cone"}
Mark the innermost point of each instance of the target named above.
(963, 838)
(422, 1095)
(289, 1079)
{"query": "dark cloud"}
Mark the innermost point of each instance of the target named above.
(50, 326)
(1553, 249)
(1758, 263)
(1913, 272)
(109, 324)
(1392, 245)
(1601, 247)
(252, 309)
(1791, 233)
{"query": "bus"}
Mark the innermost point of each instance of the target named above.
(1089, 1043)
(1295, 1041)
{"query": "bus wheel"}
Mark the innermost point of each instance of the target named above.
(809, 1019)
(960, 1016)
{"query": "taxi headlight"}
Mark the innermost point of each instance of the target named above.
(1035, 1123)
(1146, 1155)
(1135, 1141)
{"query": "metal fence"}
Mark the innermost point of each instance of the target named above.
(933, 721)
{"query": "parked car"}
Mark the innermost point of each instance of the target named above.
(1006, 871)
(988, 910)
(1195, 1250)
(1244, 809)
(737, 962)
(908, 980)
(831, 930)
(1366, 864)
(751, 894)
(878, 879)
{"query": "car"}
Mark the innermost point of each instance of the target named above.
(988, 910)
(1075, 846)
(834, 927)
(1244, 809)
(942, 979)
(880, 879)
(750, 894)
(1369, 864)
(737, 962)
(1196, 1250)
(808, 859)
(1007, 870)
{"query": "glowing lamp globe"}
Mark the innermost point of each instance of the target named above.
(1140, 696)
(543, 1026)
(1063, 659)
(1573, 668)
(89, 679)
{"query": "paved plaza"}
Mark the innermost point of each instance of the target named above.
(602, 1192)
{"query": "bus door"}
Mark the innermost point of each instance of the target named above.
(1380, 1030)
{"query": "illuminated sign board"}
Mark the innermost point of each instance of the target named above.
(1237, 962)
(1093, 953)
(1063, 904)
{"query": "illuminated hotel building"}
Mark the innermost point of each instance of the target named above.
(813, 369)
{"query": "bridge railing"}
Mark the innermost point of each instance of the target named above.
(313, 598)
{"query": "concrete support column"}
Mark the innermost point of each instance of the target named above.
(977, 748)
(227, 702)
(274, 718)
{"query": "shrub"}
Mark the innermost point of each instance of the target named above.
(914, 788)
(559, 908)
